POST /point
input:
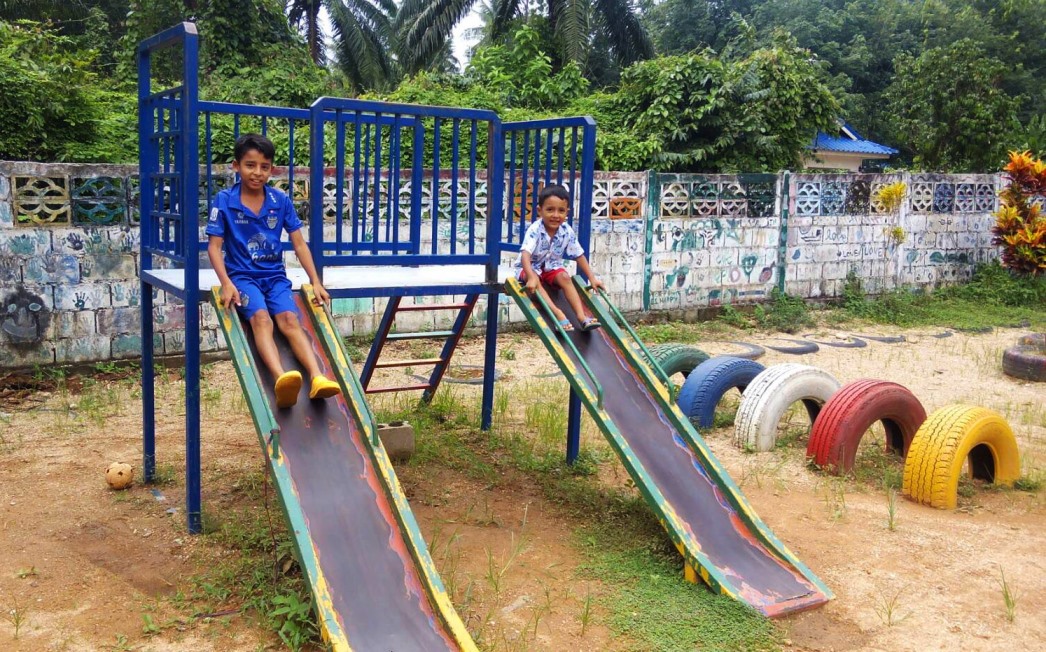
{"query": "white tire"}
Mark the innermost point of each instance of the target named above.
(768, 396)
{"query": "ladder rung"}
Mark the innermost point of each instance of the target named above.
(404, 388)
(435, 306)
(419, 336)
(407, 363)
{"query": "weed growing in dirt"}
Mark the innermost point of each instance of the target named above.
(586, 612)
(784, 313)
(887, 608)
(834, 495)
(1009, 596)
(891, 509)
(16, 614)
(23, 573)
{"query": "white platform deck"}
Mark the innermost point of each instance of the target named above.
(353, 278)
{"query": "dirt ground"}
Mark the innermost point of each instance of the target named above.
(87, 568)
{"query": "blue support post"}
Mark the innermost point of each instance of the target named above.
(190, 210)
(495, 217)
(146, 159)
(316, 184)
(489, 361)
(573, 427)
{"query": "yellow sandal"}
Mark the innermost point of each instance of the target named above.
(323, 387)
(287, 387)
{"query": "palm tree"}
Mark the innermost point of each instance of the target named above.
(426, 25)
(364, 41)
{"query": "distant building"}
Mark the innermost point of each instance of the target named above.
(847, 151)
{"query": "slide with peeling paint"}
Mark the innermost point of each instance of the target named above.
(373, 581)
(721, 538)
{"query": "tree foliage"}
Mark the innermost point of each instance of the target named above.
(949, 108)
(53, 105)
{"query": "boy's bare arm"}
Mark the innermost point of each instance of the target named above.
(301, 250)
(533, 280)
(593, 280)
(229, 295)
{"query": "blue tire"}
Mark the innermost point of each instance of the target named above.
(709, 381)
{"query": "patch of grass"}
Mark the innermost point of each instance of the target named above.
(992, 298)
(731, 316)
(891, 509)
(16, 613)
(783, 313)
(648, 600)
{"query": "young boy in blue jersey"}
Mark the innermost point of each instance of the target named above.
(546, 243)
(249, 219)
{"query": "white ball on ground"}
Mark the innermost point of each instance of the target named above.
(119, 475)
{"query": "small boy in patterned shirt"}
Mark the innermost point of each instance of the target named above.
(546, 243)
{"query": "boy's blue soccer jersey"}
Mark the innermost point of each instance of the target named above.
(253, 243)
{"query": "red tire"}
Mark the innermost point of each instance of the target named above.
(851, 411)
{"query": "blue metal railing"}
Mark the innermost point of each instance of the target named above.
(406, 172)
(540, 153)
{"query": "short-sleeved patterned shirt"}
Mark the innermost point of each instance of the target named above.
(253, 242)
(547, 253)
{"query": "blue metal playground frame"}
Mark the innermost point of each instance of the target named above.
(375, 212)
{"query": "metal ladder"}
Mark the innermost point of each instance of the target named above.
(439, 364)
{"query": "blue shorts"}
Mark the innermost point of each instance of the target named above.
(272, 293)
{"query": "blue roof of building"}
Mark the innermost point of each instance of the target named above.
(849, 141)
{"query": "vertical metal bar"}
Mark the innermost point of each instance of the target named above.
(535, 191)
(417, 180)
(573, 427)
(454, 143)
(490, 355)
(207, 149)
(395, 154)
(511, 186)
(559, 156)
(316, 184)
(377, 179)
(339, 181)
(472, 191)
(146, 200)
(495, 220)
(357, 232)
(265, 126)
(365, 182)
(435, 187)
(573, 176)
(190, 208)
(548, 156)
(235, 126)
(290, 161)
(524, 173)
(588, 165)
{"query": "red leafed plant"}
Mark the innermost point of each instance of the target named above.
(1020, 225)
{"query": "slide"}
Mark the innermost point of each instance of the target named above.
(708, 518)
(373, 581)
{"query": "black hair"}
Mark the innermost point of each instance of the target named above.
(555, 190)
(247, 142)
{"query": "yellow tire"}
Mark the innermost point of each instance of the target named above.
(949, 437)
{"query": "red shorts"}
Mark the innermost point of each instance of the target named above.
(547, 276)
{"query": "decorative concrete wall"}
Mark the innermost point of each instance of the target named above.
(69, 243)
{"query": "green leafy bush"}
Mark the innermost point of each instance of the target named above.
(53, 106)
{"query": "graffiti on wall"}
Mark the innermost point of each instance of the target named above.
(25, 318)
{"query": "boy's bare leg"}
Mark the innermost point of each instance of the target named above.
(320, 385)
(556, 312)
(261, 325)
(565, 284)
(292, 330)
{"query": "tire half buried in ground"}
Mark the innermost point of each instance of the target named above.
(1025, 361)
(768, 396)
(851, 411)
(946, 440)
(706, 385)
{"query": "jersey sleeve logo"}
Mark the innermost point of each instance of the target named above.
(215, 214)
